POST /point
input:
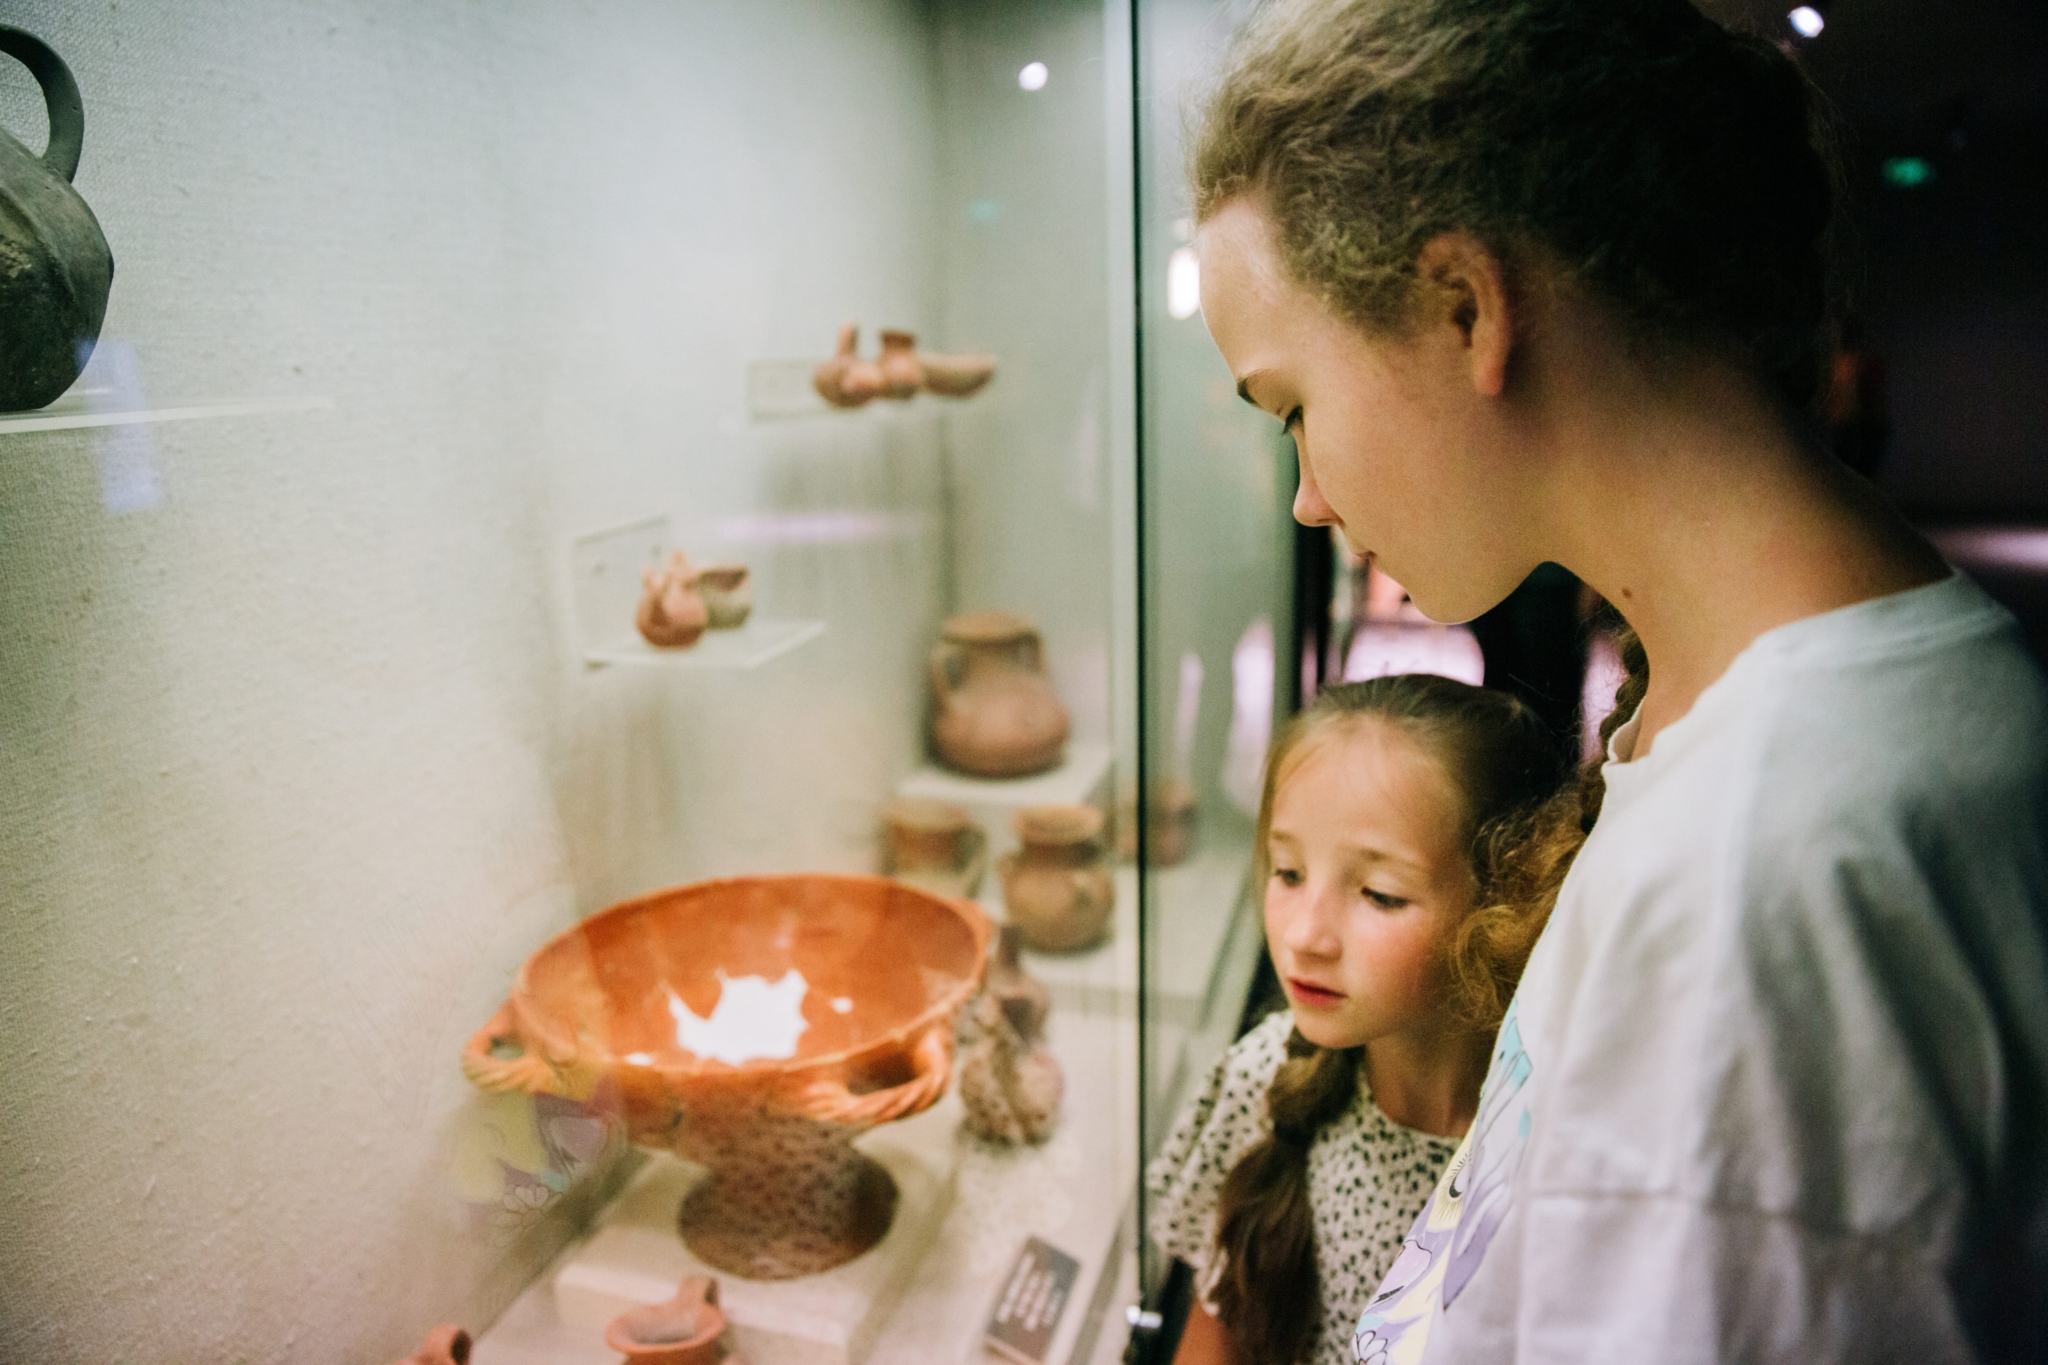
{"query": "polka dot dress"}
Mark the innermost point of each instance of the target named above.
(1368, 1177)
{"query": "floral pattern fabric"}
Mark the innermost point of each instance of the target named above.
(1368, 1180)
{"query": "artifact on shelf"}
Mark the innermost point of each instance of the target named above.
(902, 372)
(688, 1329)
(994, 713)
(847, 381)
(1169, 823)
(445, 1345)
(1057, 888)
(956, 376)
(1010, 1083)
(672, 610)
(728, 593)
(934, 846)
(871, 974)
(55, 268)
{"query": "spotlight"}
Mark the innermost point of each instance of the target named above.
(1807, 21)
(1033, 76)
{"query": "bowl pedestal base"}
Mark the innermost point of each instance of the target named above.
(831, 1318)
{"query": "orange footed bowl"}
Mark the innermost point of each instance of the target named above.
(600, 1010)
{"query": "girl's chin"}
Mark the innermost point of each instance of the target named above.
(1323, 1030)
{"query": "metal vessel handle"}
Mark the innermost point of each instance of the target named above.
(60, 97)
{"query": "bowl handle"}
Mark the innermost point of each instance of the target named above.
(528, 1072)
(932, 1055)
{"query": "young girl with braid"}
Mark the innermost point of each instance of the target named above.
(1290, 1180)
(1542, 281)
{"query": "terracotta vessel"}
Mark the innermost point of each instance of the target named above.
(445, 1345)
(933, 846)
(995, 713)
(55, 268)
(687, 1330)
(1010, 1083)
(956, 376)
(884, 969)
(672, 611)
(902, 372)
(728, 593)
(1169, 824)
(1057, 889)
(847, 381)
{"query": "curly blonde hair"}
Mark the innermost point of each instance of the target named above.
(1682, 173)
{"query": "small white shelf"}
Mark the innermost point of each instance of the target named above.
(74, 411)
(750, 646)
(1082, 777)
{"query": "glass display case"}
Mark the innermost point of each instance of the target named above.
(634, 681)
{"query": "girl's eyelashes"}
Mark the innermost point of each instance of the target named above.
(1383, 900)
(1287, 876)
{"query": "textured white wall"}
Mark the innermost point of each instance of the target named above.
(296, 764)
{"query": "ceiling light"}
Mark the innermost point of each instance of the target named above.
(1033, 76)
(1807, 21)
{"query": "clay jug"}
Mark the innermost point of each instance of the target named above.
(728, 593)
(1056, 888)
(996, 715)
(956, 376)
(847, 381)
(934, 846)
(1169, 824)
(55, 268)
(672, 613)
(1010, 1083)
(445, 1345)
(902, 372)
(688, 1329)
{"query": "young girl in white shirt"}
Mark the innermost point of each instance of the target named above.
(1548, 280)
(1290, 1180)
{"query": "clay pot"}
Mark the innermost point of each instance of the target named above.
(902, 372)
(1010, 1083)
(728, 593)
(847, 381)
(55, 268)
(956, 376)
(884, 967)
(933, 846)
(445, 1345)
(1056, 888)
(1169, 825)
(996, 715)
(687, 1330)
(672, 611)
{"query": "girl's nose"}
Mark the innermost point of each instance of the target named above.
(1310, 509)
(1311, 931)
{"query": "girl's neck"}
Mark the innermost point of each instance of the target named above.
(1428, 1080)
(1698, 510)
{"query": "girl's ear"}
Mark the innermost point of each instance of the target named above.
(1469, 290)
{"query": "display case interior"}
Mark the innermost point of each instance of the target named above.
(579, 666)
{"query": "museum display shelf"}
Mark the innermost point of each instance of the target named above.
(1080, 779)
(925, 1297)
(747, 646)
(88, 408)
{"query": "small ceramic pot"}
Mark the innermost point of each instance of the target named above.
(902, 372)
(672, 613)
(1010, 1083)
(994, 711)
(445, 1345)
(933, 846)
(728, 593)
(1169, 825)
(687, 1330)
(847, 381)
(956, 376)
(1057, 889)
